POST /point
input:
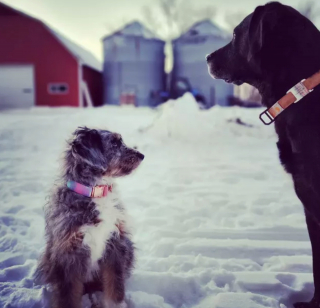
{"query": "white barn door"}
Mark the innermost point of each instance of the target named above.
(17, 88)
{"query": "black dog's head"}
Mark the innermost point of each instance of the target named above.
(273, 43)
(101, 153)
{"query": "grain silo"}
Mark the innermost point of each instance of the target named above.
(133, 66)
(190, 72)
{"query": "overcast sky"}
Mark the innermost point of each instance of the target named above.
(87, 21)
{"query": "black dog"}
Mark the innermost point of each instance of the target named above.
(273, 49)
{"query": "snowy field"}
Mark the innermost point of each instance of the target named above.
(217, 223)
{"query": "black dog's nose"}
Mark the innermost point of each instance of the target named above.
(209, 57)
(140, 156)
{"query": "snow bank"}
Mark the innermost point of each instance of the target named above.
(182, 120)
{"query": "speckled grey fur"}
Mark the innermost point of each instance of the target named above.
(91, 155)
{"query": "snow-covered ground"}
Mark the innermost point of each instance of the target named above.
(217, 223)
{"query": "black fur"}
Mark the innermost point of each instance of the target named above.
(273, 49)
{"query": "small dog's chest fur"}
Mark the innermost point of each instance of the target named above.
(96, 236)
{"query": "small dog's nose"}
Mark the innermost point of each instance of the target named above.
(209, 57)
(140, 156)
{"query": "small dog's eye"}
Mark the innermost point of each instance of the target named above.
(115, 142)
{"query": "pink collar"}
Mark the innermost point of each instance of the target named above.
(98, 191)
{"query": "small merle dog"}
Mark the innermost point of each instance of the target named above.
(88, 243)
(273, 49)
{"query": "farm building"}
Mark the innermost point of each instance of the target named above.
(190, 72)
(40, 67)
(133, 71)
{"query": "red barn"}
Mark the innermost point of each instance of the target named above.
(40, 67)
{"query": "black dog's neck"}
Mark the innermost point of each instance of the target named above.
(271, 94)
(276, 87)
(280, 71)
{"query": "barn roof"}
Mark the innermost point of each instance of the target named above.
(83, 55)
(205, 28)
(135, 28)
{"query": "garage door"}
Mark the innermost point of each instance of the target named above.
(16, 86)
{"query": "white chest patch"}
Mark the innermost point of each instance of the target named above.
(96, 237)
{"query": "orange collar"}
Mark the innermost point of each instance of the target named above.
(294, 95)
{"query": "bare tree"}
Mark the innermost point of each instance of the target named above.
(310, 10)
(170, 18)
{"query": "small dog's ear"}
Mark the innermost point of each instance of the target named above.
(262, 24)
(87, 143)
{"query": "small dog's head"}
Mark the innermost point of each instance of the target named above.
(104, 151)
(265, 45)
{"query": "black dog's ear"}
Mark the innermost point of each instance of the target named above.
(262, 24)
(87, 143)
(255, 34)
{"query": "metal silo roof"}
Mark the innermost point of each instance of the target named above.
(136, 29)
(205, 28)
